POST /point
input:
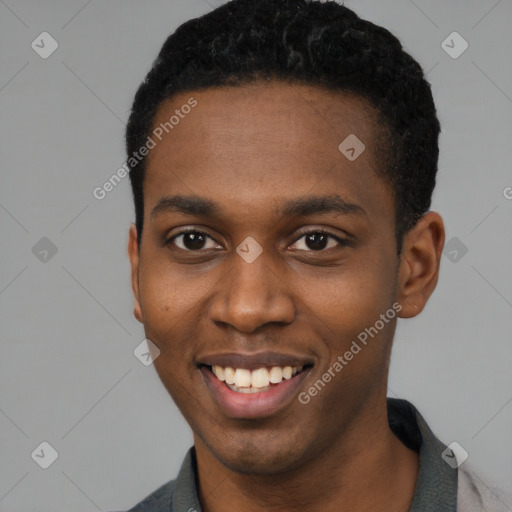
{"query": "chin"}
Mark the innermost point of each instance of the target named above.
(251, 457)
(258, 465)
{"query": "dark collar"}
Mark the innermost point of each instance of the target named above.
(436, 487)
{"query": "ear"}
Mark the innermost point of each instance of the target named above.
(133, 253)
(419, 264)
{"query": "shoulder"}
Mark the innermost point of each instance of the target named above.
(158, 501)
(473, 495)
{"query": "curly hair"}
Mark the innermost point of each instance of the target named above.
(311, 42)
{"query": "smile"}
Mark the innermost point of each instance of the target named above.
(254, 385)
(259, 380)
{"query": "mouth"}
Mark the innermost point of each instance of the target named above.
(260, 380)
(253, 387)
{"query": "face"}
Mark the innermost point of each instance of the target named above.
(265, 247)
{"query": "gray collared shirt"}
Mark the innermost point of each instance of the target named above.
(436, 486)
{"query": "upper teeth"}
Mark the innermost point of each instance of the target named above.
(259, 378)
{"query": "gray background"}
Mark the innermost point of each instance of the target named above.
(68, 375)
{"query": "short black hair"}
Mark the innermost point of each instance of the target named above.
(323, 44)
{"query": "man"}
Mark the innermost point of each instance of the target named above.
(283, 155)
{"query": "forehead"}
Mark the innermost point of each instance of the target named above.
(274, 113)
(262, 141)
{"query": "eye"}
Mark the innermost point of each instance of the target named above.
(191, 240)
(318, 241)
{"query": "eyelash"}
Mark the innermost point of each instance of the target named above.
(341, 241)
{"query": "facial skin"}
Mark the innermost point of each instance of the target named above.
(250, 150)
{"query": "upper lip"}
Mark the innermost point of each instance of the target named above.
(254, 361)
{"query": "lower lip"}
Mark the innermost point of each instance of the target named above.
(253, 405)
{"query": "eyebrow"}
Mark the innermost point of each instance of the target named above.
(194, 205)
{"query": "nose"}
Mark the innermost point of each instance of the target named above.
(252, 295)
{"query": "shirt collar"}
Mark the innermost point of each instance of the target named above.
(436, 486)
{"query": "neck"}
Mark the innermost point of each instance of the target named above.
(366, 468)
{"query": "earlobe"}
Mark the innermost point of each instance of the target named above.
(419, 264)
(133, 254)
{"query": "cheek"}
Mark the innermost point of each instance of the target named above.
(166, 316)
(348, 298)
(173, 304)
(166, 294)
(346, 307)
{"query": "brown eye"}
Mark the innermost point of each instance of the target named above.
(319, 240)
(191, 240)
